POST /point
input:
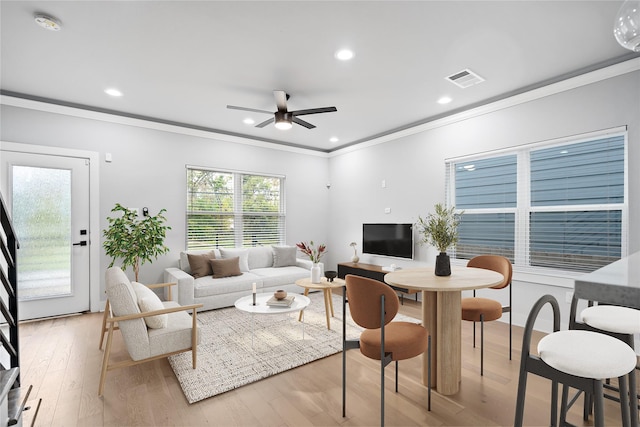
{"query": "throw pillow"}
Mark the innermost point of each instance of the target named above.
(149, 301)
(284, 256)
(243, 254)
(199, 264)
(225, 267)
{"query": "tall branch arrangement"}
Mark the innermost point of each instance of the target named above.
(134, 240)
(313, 253)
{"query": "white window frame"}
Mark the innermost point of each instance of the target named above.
(523, 204)
(238, 213)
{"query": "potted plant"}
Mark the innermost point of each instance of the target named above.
(440, 229)
(134, 240)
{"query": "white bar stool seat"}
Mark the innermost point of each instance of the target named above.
(612, 318)
(587, 354)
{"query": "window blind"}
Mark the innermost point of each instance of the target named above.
(233, 209)
(557, 205)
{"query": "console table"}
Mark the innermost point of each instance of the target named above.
(371, 271)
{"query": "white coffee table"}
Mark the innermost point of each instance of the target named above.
(246, 304)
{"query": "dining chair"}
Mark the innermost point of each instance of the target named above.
(482, 310)
(576, 358)
(373, 305)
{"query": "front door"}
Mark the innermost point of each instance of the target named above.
(48, 196)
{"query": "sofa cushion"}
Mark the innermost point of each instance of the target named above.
(281, 276)
(284, 256)
(199, 264)
(176, 336)
(149, 301)
(227, 267)
(243, 254)
(260, 257)
(208, 286)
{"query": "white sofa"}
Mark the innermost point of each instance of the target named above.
(257, 266)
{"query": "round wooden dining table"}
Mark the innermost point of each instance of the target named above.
(442, 316)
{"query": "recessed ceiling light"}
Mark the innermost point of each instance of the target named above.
(334, 139)
(344, 54)
(112, 92)
(248, 121)
(47, 22)
(444, 100)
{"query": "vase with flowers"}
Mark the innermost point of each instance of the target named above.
(355, 258)
(314, 254)
(440, 229)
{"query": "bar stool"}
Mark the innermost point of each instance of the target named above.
(575, 358)
(621, 323)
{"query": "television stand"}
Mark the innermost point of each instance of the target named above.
(371, 271)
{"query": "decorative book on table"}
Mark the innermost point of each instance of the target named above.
(285, 302)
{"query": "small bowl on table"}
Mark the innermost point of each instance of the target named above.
(280, 294)
(330, 275)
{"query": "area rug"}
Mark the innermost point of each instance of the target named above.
(228, 360)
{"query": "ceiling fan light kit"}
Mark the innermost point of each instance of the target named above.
(626, 28)
(283, 118)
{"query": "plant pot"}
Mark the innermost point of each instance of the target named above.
(316, 273)
(443, 265)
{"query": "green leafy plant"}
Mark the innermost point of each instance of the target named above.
(134, 240)
(440, 229)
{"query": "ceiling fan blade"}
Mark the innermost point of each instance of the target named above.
(233, 107)
(302, 123)
(266, 122)
(314, 111)
(281, 99)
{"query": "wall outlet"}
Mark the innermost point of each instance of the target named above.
(384, 183)
(568, 297)
(387, 210)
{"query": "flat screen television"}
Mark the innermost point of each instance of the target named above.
(394, 240)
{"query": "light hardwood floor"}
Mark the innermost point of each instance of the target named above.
(61, 359)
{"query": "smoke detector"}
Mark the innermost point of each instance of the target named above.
(47, 22)
(465, 78)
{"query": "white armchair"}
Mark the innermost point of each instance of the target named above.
(151, 329)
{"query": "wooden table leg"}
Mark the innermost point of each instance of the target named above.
(327, 303)
(330, 301)
(430, 321)
(449, 351)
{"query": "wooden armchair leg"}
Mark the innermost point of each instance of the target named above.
(107, 307)
(105, 360)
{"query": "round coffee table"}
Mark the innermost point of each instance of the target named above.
(326, 288)
(246, 304)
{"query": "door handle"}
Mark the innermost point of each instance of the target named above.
(81, 243)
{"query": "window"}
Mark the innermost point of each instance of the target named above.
(233, 209)
(555, 205)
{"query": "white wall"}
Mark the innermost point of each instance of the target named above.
(148, 169)
(413, 168)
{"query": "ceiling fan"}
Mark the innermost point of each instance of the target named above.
(283, 118)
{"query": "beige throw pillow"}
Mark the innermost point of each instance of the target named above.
(225, 267)
(149, 301)
(199, 264)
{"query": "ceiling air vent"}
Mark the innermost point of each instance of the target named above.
(465, 78)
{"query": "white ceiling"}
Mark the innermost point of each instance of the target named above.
(184, 62)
